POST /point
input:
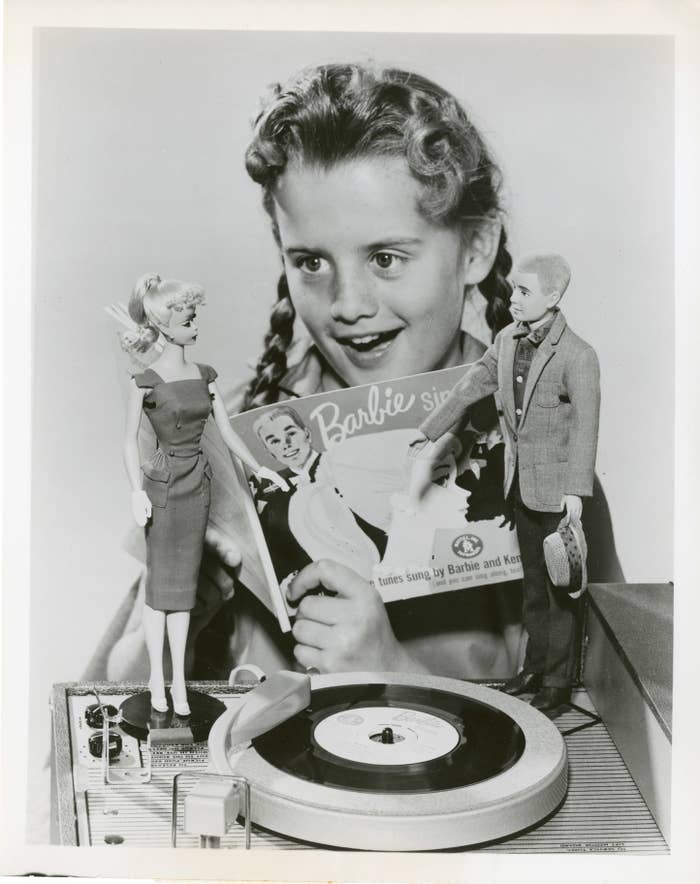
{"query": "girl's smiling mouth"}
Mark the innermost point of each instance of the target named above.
(371, 344)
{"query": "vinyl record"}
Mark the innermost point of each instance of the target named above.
(485, 741)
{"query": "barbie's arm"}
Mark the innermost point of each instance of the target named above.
(140, 504)
(236, 444)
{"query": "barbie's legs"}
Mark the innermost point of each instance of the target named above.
(178, 623)
(154, 633)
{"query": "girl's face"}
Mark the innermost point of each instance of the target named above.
(379, 287)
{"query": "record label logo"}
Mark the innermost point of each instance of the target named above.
(466, 546)
(351, 719)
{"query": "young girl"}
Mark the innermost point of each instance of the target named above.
(173, 497)
(384, 202)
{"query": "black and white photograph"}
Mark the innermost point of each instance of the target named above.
(353, 514)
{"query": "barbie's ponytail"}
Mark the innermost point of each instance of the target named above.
(145, 335)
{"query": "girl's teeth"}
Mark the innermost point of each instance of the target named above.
(374, 343)
(366, 340)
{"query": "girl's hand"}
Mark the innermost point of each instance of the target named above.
(140, 507)
(341, 623)
(272, 476)
(222, 547)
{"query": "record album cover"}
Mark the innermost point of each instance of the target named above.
(410, 526)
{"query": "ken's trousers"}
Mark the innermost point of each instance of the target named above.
(550, 616)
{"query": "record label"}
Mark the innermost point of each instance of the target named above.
(386, 735)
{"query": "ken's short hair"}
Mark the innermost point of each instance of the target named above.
(276, 412)
(551, 269)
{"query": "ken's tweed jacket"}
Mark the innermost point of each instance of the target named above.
(554, 441)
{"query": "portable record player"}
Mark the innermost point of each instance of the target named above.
(384, 761)
(378, 761)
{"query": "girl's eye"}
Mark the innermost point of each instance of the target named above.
(309, 263)
(388, 262)
(384, 260)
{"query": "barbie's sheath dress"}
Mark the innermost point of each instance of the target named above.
(177, 482)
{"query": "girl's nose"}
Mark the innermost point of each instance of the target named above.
(352, 297)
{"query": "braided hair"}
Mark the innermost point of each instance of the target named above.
(334, 113)
(272, 364)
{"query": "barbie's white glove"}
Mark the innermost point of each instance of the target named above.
(140, 507)
(272, 476)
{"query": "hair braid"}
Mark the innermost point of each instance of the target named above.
(496, 288)
(272, 365)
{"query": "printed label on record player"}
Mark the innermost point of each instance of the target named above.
(386, 735)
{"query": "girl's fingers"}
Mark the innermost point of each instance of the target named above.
(308, 657)
(327, 575)
(222, 546)
(322, 608)
(315, 635)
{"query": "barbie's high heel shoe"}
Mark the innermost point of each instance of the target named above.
(160, 704)
(158, 701)
(180, 706)
(182, 709)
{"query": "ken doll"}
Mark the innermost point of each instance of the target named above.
(546, 384)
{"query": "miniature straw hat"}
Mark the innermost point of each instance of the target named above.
(565, 554)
